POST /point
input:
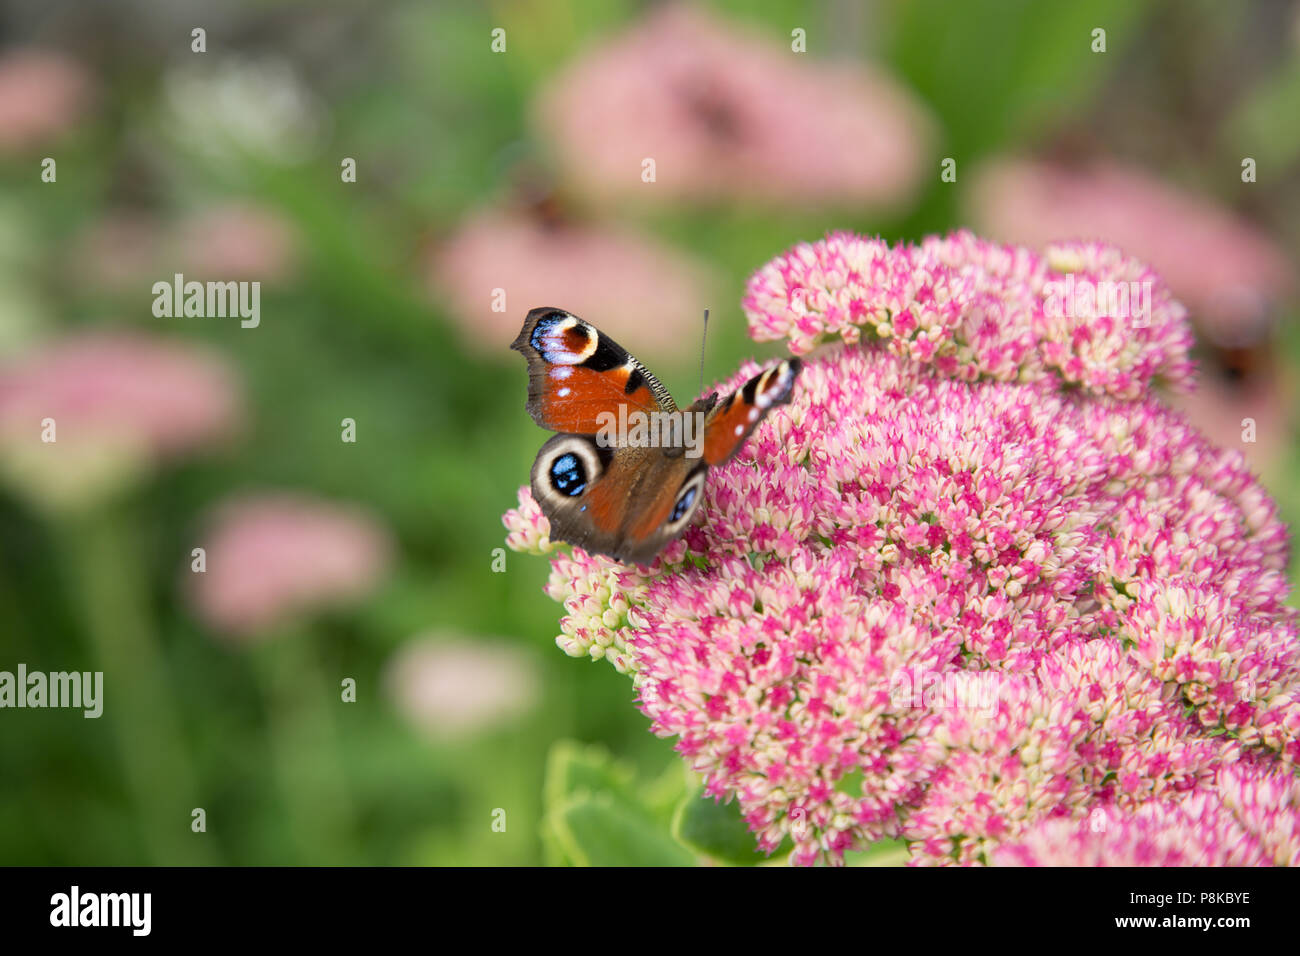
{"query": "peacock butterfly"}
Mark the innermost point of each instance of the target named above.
(626, 471)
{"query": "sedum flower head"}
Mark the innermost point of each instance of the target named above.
(628, 279)
(451, 687)
(729, 115)
(975, 309)
(89, 414)
(276, 558)
(43, 93)
(1249, 820)
(974, 577)
(1231, 275)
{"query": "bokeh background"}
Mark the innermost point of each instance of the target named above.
(489, 181)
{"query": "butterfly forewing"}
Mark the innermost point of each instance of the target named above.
(575, 373)
(732, 419)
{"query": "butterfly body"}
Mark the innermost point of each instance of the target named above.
(602, 484)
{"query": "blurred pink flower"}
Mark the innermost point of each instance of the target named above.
(1222, 410)
(641, 293)
(42, 95)
(1230, 275)
(1249, 820)
(729, 113)
(451, 687)
(118, 403)
(275, 557)
(237, 240)
(226, 242)
(973, 577)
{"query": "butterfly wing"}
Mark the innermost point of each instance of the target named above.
(624, 502)
(575, 374)
(731, 420)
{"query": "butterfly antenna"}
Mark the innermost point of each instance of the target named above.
(703, 339)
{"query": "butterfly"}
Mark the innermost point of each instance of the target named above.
(626, 471)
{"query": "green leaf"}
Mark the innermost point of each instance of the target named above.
(881, 853)
(573, 769)
(661, 796)
(596, 815)
(716, 830)
(598, 830)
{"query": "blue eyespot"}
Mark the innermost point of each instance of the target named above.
(683, 504)
(568, 477)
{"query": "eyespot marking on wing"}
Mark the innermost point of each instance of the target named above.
(564, 339)
(567, 469)
(687, 500)
(567, 475)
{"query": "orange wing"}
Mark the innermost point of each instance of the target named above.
(575, 374)
(739, 413)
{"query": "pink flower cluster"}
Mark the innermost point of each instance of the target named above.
(977, 309)
(161, 396)
(974, 581)
(85, 415)
(1232, 276)
(43, 93)
(729, 113)
(274, 558)
(1250, 821)
(629, 281)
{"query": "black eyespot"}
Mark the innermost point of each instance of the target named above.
(684, 502)
(544, 327)
(568, 477)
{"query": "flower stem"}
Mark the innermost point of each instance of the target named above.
(304, 748)
(103, 556)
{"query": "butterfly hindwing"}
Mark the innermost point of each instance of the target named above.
(624, 502)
